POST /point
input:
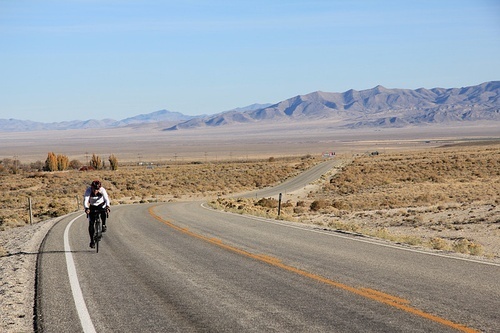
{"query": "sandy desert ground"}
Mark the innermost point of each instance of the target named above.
(150, 143)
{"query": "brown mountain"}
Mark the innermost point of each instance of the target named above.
(376, 107)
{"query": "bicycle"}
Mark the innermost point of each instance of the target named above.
(96, 216)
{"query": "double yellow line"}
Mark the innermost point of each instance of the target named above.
(372, 294)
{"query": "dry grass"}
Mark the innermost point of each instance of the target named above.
(439, 176)
(444, 198)
(58, 193)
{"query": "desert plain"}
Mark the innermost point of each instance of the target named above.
(433, 188)
(235, 142)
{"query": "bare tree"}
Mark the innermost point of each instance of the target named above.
(113, 162)
(51, 162)
(62, 162)
(96, 162)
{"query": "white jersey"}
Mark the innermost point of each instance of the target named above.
(101, 199)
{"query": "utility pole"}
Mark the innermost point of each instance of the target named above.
(16, 162)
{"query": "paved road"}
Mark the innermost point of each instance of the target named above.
(180, 267)
(295, 183)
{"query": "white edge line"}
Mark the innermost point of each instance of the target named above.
(352, 238)
(81, 307)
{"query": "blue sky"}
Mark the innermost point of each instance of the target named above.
(80, 59)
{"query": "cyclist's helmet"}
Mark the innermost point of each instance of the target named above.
(96, 185)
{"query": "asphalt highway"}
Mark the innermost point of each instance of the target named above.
(182, 267)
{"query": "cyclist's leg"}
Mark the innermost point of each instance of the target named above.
(103, 218)
(91, 229)
(103, 221)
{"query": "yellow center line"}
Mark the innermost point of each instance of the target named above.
(372, 294)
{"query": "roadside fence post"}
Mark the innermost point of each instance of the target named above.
(279, 205)
(30, 210)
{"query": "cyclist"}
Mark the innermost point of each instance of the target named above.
(96, 200)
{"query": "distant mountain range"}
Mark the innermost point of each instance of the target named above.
(376, 107)
(162, 117)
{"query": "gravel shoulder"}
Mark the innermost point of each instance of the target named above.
(18, 255)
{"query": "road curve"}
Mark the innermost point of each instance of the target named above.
(180, 267)
(295, 183)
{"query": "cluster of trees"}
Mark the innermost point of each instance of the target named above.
(56, 163)
(61, 162)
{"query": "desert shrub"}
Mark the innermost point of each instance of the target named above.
(475, 249)
(463, 245)
(340, 225)
(36, 166)
(439, 243)
(382, 233)
(13, 166)
(267, 203)
(75, 164)
(411, 240)
(340, 204)
(318, 204)
(300, 210)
